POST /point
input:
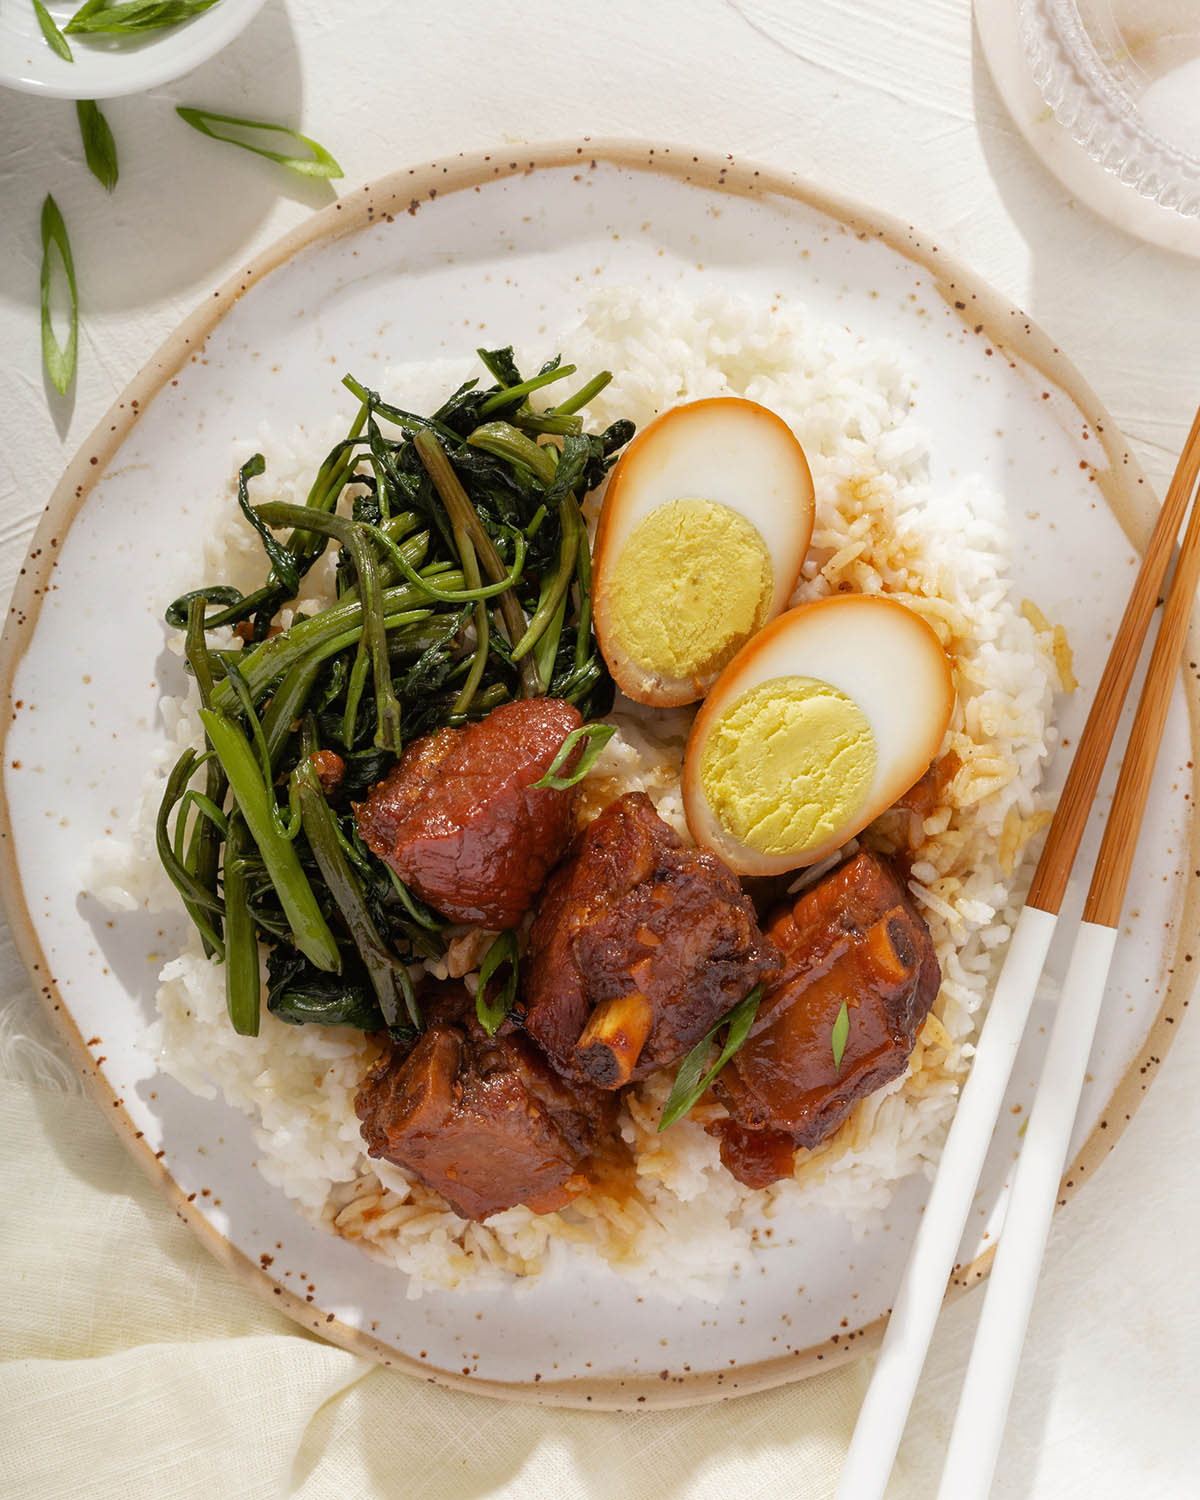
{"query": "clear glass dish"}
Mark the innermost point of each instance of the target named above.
(1123, 77)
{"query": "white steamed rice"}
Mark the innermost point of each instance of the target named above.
(879, 528)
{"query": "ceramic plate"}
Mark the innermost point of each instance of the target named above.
(432, 262)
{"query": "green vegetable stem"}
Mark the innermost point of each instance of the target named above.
(839, 1036)
(256, 802)
(389, 977)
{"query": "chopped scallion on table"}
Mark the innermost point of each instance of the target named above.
(59, 359)
(98, 144)
(318, 163)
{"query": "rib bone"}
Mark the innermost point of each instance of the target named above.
(613, 1038)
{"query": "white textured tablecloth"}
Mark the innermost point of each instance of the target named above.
(133, 1366)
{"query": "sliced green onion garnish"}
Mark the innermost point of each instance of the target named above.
(319, 164)
(98, 144)
(597, 735)
(841, 1030)
(689, 1085)
(503, 950)
(58, 359)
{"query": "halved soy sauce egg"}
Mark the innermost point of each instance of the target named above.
(705, 524)
(816, 727)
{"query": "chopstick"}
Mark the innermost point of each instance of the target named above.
(918, 1301)
(992, 1368)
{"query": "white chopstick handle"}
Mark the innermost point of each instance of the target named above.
(884, 1412)
(992, 1369)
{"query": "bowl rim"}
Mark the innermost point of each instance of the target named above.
(159, 60)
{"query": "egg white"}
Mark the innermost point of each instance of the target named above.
(880, 655)
(726, 450)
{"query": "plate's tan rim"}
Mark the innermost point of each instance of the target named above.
(984, 311)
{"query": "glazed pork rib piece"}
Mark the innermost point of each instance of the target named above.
(458, 817)
(484, 1121)
(853, 938)
(639, 946)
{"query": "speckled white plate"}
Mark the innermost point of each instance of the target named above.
(432, 262)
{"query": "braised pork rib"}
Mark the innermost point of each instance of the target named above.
(639, 946)
(485, 1121)
(854, 938)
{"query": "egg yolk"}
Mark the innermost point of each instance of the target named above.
(788, 764)
(690, 586)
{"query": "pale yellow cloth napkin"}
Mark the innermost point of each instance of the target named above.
(136, 1367)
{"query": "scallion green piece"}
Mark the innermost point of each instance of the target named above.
(839, 1035)
(689, 1086)
(58, 359)
(319, 164)
(51, 32)
(98, 144)
(492, 1013)
(597, 735)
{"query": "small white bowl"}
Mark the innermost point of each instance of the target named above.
(104, 66)
(1121, 76)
